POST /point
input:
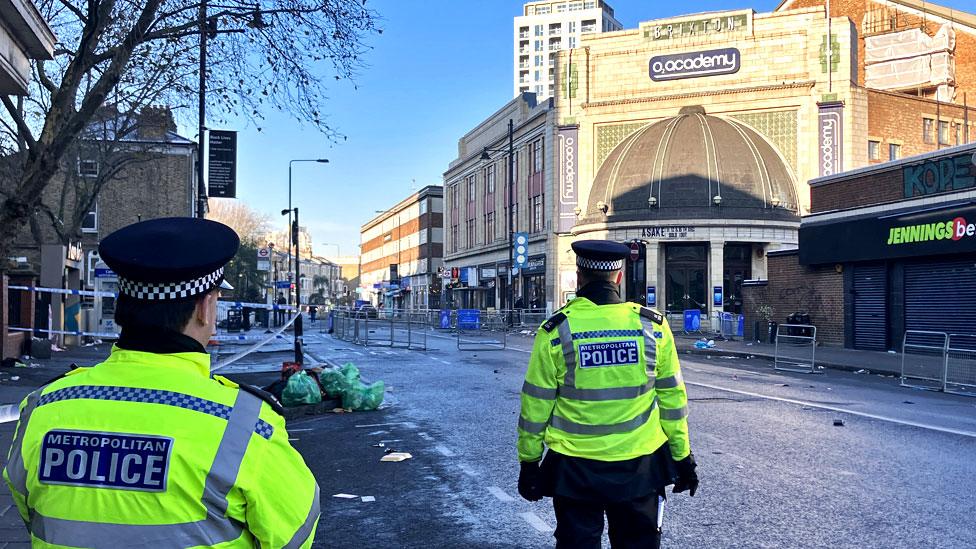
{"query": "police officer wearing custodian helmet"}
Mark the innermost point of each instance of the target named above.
(147, 449)
(604, 392)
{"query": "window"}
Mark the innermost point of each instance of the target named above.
(874, 150)
(454, 238)
(958, 134)
(555, 28)
(537, 161)
(894, 151)
(472, 184)
(538, 216)
(88, 168)
(928, 130)
(561, 8)
(90, 223)
(538, 30)
(523, 32)
(471, 234)
(572, 27)
(489, 227)
(538, 89)
(589, 5)
(538, 75)
(588, 26)
(423, 207)
(538, 61)
(489, 176)
(572, 42)
(943, 132)
(538, 45)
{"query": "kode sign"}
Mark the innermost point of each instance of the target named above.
(694, 64)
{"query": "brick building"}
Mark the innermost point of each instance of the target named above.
(402, 250)
(112, 177)
(477, 223)
(887, 248)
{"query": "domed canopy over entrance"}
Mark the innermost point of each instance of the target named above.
(693, 166)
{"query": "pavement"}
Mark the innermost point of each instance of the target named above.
(777, 469)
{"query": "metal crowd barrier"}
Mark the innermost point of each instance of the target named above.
(923, 360)
(485, 332)
(960, 372)
(797, 337)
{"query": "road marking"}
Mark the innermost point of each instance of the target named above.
(444, 451)
(5, 509)
(467, 470)
(383, 424)
(441, 361)
(536, 522)
(299, 430)
(878, 417)
(500, 494)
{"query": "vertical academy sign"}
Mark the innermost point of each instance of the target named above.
(830, 138)
(222, 171)
(568, 164)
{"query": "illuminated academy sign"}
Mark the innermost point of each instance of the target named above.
(694, 64)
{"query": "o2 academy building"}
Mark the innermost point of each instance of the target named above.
(692, 140)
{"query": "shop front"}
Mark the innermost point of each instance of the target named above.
(911, 268)
(533, 282)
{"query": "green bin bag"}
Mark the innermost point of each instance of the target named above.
(301, 389)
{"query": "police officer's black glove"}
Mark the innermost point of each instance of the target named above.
(687, 477)
(529, 486)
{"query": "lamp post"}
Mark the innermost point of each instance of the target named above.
(299, 355)
(297, 251)
(486, 155)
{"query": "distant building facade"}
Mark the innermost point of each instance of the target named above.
(545, 28)
(402, 251)
(477, 209)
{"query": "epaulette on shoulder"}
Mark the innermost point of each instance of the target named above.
(553, 322)
(251, 389)
(655, 316)
(265, 396)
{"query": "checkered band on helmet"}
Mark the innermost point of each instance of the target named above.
(162, 291)
(599, 265)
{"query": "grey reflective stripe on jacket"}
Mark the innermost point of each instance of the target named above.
(572, 427)
(215, 529)
(599, 395)
(674, 414)
(305, 530)
(531, 426)
(650, 345)
(669, 382)
(16, 469)
(569, 353)
(541, 393)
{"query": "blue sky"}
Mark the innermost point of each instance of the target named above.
(422, 89)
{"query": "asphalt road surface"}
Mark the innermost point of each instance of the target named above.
(776, 471)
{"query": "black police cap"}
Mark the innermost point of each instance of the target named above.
(600, 255)
(170, 259)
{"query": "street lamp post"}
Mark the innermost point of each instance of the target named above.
(299, 355)
(486, 155)
(297, 251)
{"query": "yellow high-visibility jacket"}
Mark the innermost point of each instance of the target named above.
(146, 450)
(603, 383)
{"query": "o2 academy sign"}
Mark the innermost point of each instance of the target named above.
(694, 64)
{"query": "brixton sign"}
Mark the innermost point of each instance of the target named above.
(694, 64)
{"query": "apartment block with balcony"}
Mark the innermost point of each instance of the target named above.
(545, 28)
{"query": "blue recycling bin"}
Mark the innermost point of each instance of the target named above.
(445, 319)
(692, 320)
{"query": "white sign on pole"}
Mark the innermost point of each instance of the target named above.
(264, 265)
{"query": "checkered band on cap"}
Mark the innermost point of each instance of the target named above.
(599, 265)
(162, 291)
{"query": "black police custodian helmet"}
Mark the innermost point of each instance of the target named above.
(170, 259)
(600, 255)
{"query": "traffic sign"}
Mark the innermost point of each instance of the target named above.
(634, 251)
(264, 253)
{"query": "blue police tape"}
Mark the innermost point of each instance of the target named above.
(86, 293)
(246, 337)
(62, 332)
(275, 307)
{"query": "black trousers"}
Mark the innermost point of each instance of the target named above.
(633, 524)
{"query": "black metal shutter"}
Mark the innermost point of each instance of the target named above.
(870, 318)
(941, 296)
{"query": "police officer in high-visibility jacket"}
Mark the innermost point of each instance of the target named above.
(147, 449)
(604, 392)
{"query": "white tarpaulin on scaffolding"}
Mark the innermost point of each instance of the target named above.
(911, 59)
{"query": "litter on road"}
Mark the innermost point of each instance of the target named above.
(345, 496)
(838, 423)
(368, 499)
(396, 456)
